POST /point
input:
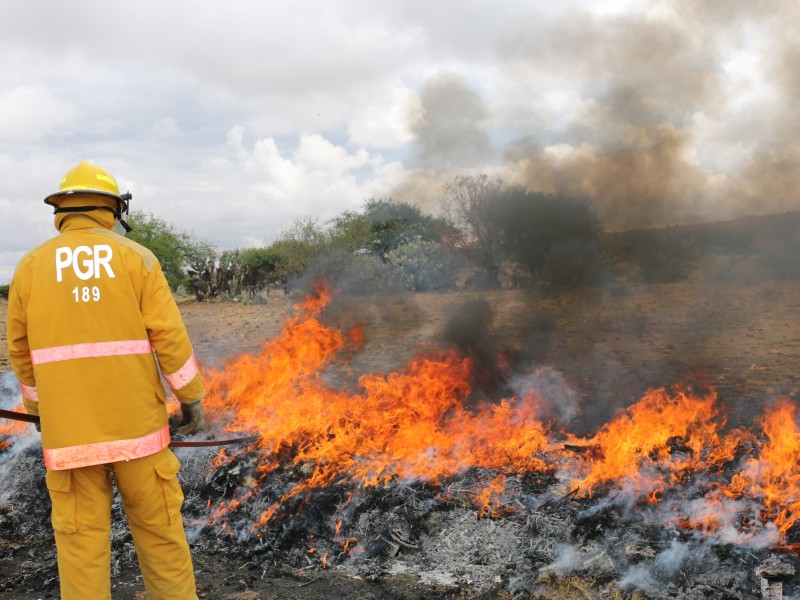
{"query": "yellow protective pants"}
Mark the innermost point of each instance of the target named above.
(152, 498)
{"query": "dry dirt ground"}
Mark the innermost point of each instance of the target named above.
(611, 344)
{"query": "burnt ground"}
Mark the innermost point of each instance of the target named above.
(611, 344)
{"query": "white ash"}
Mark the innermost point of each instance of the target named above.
(457, 548)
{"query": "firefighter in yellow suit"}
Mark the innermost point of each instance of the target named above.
(91, 327)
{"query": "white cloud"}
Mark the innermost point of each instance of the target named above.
(165, 128)
(317, 177)
(384, 123)
(232, 123)
(29, 112)
(316, 154)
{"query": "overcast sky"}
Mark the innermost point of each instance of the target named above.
(231, 120)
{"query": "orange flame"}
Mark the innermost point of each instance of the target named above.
(414, 425)
(489, 499)
(773, 476)
(410, 425)
(635, 447)
(9, 427)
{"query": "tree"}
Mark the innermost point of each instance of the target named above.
(465, 205)
(350, 233)
(555, 238)
(177, 252)
(385, 225)
(259, 266)
(293, 257)
(296, 249)
(394, 224)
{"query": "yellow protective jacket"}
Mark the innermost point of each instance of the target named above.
(90, 320)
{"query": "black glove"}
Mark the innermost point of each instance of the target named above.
(193, 417)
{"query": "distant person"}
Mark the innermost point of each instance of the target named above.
(91, 320)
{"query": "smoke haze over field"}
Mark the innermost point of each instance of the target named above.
(234, 123)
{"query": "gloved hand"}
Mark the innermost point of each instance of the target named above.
(194, 417)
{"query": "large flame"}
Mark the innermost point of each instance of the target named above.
(410, 425)
(414, 425)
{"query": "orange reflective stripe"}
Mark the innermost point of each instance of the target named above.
(184, 375)
(90, 350)
(99, 453)
(29, 391)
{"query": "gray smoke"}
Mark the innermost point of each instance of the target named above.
(558, 401)
(680, 112)
(450, 132)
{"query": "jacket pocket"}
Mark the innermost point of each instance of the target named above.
(171, 493)
(64, 513)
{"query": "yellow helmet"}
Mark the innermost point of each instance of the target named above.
(88, 178)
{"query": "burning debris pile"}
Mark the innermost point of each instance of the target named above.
(405, 473)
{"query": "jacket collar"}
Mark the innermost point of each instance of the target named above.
(65, 222)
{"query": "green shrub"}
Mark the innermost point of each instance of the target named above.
(422, 266)
(4, 291)
(366, 273)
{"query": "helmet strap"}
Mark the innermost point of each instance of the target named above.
(82, 209)
(123, 203)
(75, 209)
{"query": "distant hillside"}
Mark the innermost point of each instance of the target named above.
(764, 246)
(745, 235)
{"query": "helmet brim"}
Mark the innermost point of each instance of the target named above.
(52, 199)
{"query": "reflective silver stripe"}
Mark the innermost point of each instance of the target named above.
(90, 350)
(100, 453)
(29, 392)
(184, 375)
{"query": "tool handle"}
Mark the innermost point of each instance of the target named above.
(18, 416)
